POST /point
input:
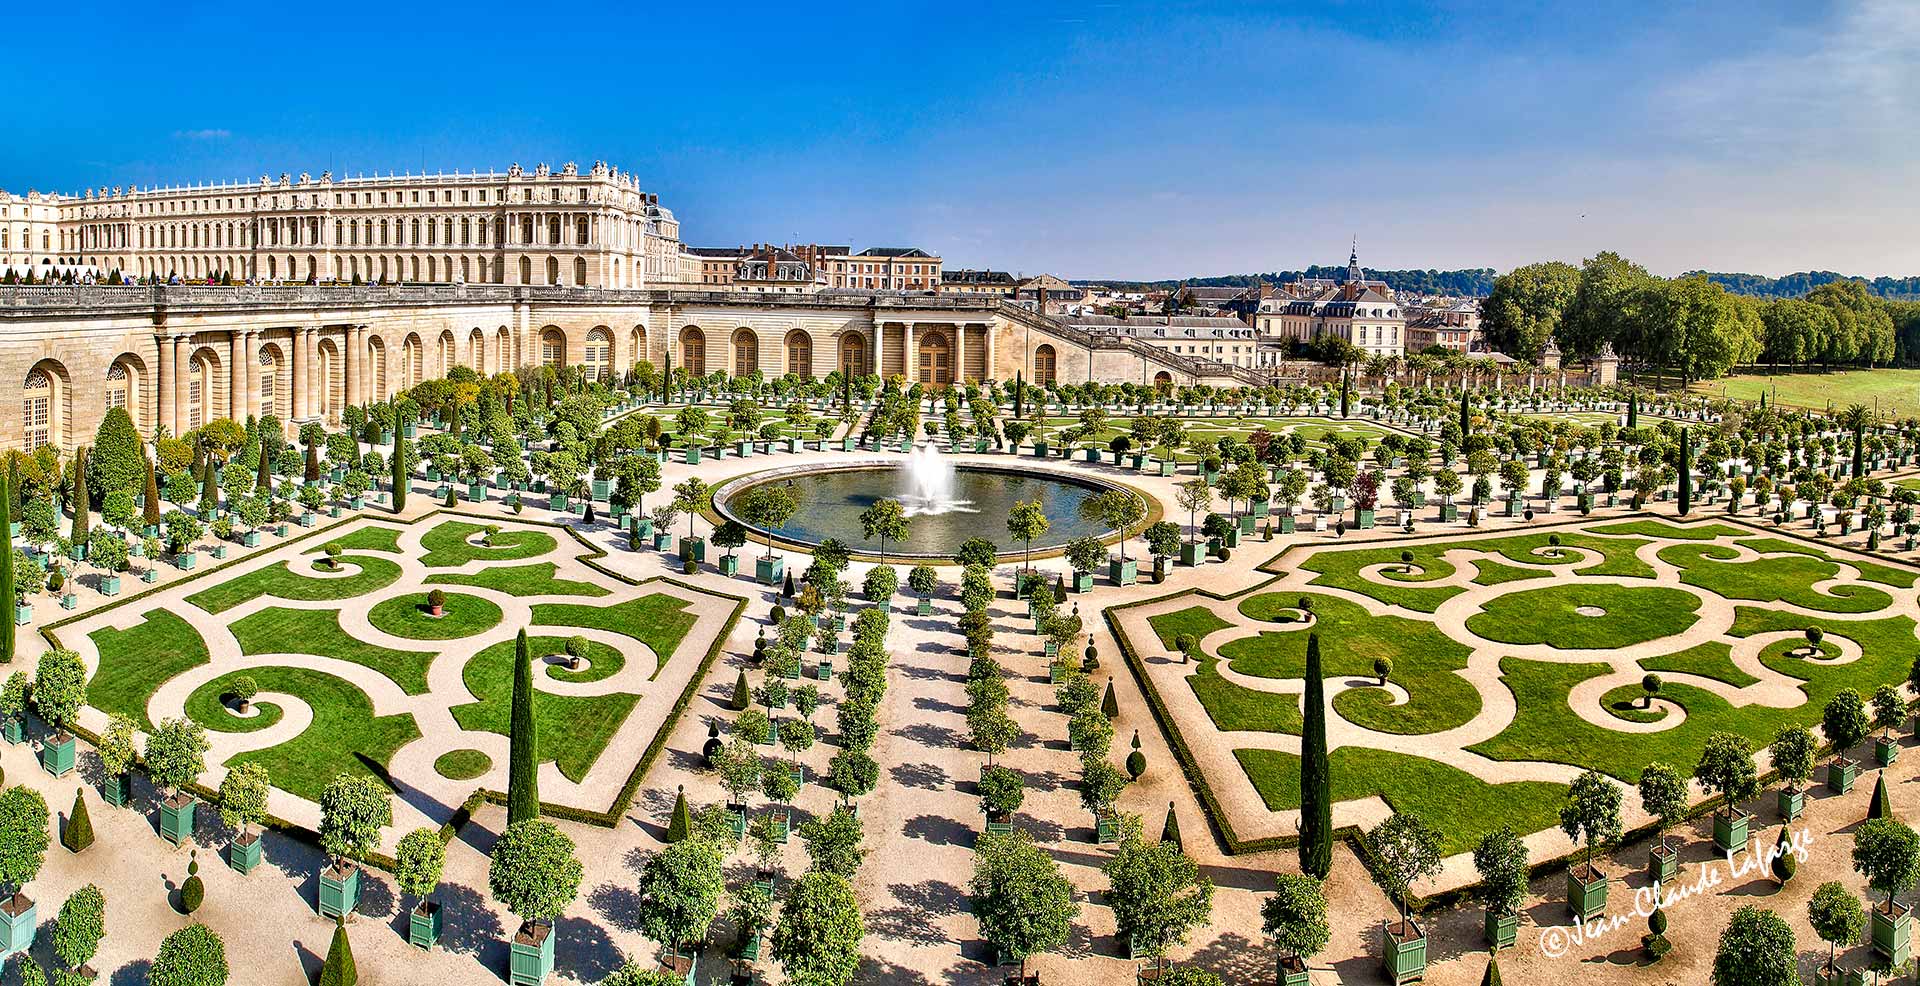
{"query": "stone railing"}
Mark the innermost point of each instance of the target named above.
(104, 297)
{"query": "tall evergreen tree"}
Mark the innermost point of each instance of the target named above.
(82, 511)
(399, 472)
(523, 778)
(150, 511)
(6, 570)
(1465, 417)
(1316, 784)
(1633, 410)
(209, 486)
(263, 474)
(1686, 471)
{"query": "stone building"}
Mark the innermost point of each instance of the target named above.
(1351, 308)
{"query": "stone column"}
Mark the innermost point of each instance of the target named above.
(164, 388)
(252, 356)
(959, 353)
(909, 367)
(236, 377)
(350, 364)
(991, 372)
(180, 413)
(297, 377)
(310, 384)
(879, 348)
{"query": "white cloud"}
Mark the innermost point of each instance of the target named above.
(208, 134)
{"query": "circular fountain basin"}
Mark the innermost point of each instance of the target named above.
(944, 510)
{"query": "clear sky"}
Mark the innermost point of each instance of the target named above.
(1086, 139)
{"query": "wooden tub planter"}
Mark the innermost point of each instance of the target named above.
(176, 818)
(423, 925)
(1841, 773)
(1586, 891)
(18, 921)
(1730, 830)
(57, 754)
(339, 889)
(243, 853)
(1291, 970)
(729, 565)
(1663, 862)
(1501, 930)
(1886, 749)
(530, 954)
(999, 823)
(1404, 958)
(117, 790)
(1890, 929)
(1792, 803)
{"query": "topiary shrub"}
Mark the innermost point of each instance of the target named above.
(689, 567)
(193, 892)
(742, 695)
(334, 550)
(339, 969)
(437, 598)
(681, 824)
(79, 833)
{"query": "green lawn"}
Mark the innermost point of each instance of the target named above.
(282, 582)
(447, 546)
(1550, 615)
(1424, 662)
(1788, 579)
(1713, 659)
(1196, 620)
(462, 765)
(135, 662)
(373, 538)
(1894, 390)
(1341, 569)
(1902, 578)
(658, 620)
(1459, 806)
(1546, 728)
(408, 616)
(278, 630)
(521, 580)
(572, 729)
(344, 736)
(1662, 529)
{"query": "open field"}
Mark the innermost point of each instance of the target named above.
(1894, 390)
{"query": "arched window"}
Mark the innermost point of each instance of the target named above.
(120, 389)
(580, 271)
(270, 382)
(599, 354)
(853, 354)
(553, 348)
(526, 271)
(746, 352)
(800, 354)
(36, 410)
(693, 351)
(1043, 365)
(553, 270)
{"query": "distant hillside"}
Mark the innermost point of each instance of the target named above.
(1475, 283)
(1795, 285)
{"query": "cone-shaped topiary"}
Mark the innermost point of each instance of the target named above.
(523, 781)
(1492, 976)
(742, 695)
(681, 824)
(79, 833)
(339, 970)
(1880, 806)
(1784, 863)
(1170, 832)
(1109, 705)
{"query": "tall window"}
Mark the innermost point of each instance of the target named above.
(267, 382)
(36, 410)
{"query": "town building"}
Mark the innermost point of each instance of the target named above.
(1352, 308)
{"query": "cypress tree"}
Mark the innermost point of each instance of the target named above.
(399, 473)
(681, 824)
(1880, 806)
(1170, 832)
(1464, 416)
(1019, 394)
(79, 833)
(1859, 441)
(150, 511)
(1492, 976)
(82, 511)
(263, 475)
(312, 472)
(339, 969)
(1633, 410)
(1343, 391)
(666, 380)
(523, 779)
(1316, 794)
(6, 571)
(209, 487)
(1686, 471)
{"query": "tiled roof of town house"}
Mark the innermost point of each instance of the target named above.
(1159, 321)
(975, 277)
(908, 252)
(718, 251)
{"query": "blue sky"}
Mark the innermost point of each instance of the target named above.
(1087, 139)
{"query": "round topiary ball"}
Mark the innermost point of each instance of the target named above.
(1136, 764)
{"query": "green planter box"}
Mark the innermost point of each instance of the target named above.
(1730, 831)
(18, 921)
(1662, 863)
(1841, 773)
(151, 575)
(118, 790)
(1891, 933)
(1362, 518)
(251, 539)
(1106, 828)
(110, 585)
(1792, 804)
(219, 552)
(176, 818)
(846, 444)
(339, 891)
(476, 492)
(601, 488)
(1125, 572)
(244, 854)
(1501, 931)
(1083, 581)
(642, 526)
(1449, 512)
(1404, 956)
(187, 560)
(1247, 523)
(559, 503)
(1291, 971)
(662, 541)
(924, 607)
(56, 755)
(1167, 467)
(693, 459)
(729, 565)
(769, 571)
(530, 955)
(1886, 749)
(693, 548)
(1039, 450)
(1190, 553)
(68, 600)
(1586, 893)
(423, 925)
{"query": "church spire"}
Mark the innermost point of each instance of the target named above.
(1353, 263)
